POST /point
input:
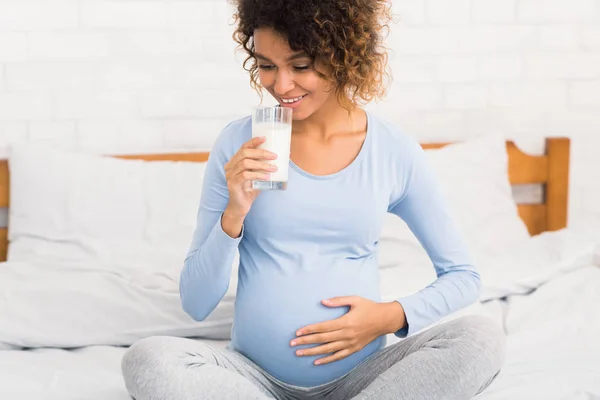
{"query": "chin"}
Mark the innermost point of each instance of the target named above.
(298, 117)
(299, 114)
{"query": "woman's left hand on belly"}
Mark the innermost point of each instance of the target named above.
(364, 322)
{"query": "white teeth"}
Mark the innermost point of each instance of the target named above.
(292, 100)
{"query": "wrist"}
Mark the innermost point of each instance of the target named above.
(394, 317)
(232, 223)
(233, 215)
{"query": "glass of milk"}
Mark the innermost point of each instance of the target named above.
(275, 124)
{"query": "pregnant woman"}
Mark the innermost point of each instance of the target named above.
(309, 322)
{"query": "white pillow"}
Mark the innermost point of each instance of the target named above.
(473, 177)
(84, 215)
(81, 207)
(64, 305)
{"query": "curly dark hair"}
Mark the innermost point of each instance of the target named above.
(345, 35)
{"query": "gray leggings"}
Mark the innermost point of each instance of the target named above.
(453, 360)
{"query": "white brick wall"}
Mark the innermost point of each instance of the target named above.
(123, 15)
(585, 93)
(146, 75)
(493, 11)
(557, 11)
(13, 45)
(31, 16)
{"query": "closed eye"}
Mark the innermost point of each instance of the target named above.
(266, 67)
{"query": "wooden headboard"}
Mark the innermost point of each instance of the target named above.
(550, 170)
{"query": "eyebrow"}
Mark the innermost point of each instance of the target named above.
(290, 58)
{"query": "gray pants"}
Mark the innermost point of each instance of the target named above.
(454, 360)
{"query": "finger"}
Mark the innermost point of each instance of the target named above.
(341, 301)
(326, 348)
(254, 142)
(327, 326)
(255, 154)
(250, 144)
(334, 357)
(319, 338)
(247, 187)
(242, 174)
(248, 164)
(252, 175)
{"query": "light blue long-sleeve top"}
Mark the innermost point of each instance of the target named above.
(316, 240)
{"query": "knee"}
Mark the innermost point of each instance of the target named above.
(142, 352)
(484, 341)
(141, 359)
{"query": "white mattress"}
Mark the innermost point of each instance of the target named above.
(88, 373)
(553, 352)
(553, 341)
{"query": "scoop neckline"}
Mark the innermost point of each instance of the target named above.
(353, 164)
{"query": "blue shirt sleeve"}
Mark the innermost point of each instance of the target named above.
(426, 213)
(206, 272)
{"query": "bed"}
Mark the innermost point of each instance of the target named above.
(62, 336)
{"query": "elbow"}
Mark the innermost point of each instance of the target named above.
(189, 292)
(197, 307)
(468, 283)
(475, 280)
(199, 301)
(192, 302)
(194, 311)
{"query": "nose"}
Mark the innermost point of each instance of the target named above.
(284, 82)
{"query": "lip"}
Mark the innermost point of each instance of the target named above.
(292, 105)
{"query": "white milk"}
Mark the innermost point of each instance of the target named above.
(278, 140)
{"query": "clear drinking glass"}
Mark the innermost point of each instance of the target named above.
(275, 124)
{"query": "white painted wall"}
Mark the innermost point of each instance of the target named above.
(134, 76)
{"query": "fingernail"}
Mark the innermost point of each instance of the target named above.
(299, 352)
(273, 168)
(298, 333)
(293, 343)
(317, 362)
(266, 176)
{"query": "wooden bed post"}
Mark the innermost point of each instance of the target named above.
(557, 186)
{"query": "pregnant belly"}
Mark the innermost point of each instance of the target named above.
(271, 309)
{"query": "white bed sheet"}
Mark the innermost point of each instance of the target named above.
(553, 352)
(88, 373)
(553, 339)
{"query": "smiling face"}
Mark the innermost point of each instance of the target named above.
(290, 76)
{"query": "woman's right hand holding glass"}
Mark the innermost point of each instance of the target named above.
(248, 164)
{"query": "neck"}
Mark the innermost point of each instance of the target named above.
(331, 119)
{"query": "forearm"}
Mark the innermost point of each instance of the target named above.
(421, 204)
(449, 293)
(207, 270)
